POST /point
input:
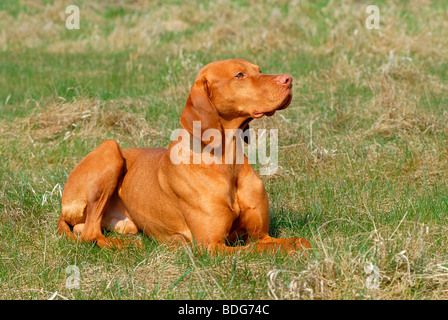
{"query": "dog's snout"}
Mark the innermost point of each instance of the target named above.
(285, 80)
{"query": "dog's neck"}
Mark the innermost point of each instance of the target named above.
(230, 150)
(190, 150)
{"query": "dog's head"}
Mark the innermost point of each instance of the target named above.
(228, 94)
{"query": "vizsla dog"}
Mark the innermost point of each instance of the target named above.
(209, 204)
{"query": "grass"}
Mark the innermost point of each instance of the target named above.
(362, 149)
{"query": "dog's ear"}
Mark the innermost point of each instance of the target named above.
(199, 108)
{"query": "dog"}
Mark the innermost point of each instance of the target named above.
(183, 202)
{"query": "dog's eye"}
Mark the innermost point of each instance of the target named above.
(239, 75)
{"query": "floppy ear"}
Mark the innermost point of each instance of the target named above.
(199, 108)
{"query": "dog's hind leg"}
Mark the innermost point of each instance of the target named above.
(87, 192)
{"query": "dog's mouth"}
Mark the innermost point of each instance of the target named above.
(285, 102)
(258, 115)
(283, 105)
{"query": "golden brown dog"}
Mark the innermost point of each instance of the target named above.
(203, 203)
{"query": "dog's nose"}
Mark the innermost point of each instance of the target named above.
(285, 80)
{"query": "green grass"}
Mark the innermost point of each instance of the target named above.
(362, 148)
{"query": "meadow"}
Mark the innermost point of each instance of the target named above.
(363, 147)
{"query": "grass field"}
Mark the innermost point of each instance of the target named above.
(363, 148)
